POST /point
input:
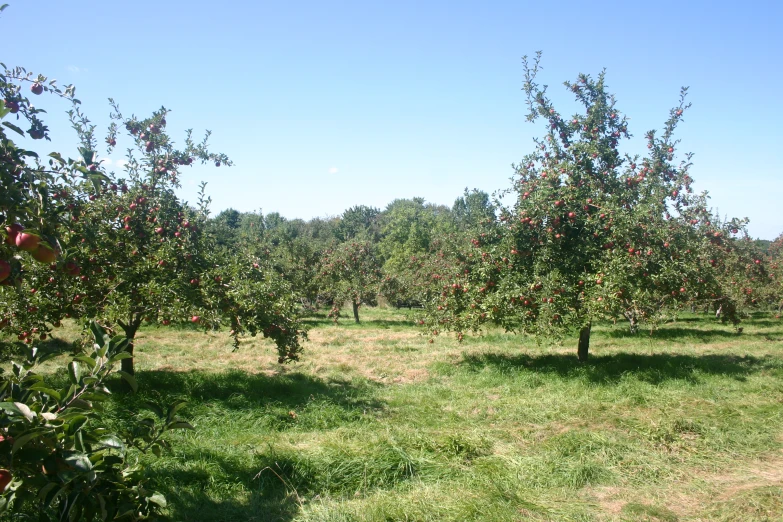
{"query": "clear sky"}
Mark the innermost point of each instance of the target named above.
(324, 105)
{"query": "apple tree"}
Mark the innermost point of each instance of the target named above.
(133, 250)
(775, 253)
(586, 230)
(57, 460)
(351, 271)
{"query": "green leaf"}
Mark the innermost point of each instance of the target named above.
(48, 391)
(75, 424)
(79, 461)
(119, 343)
(10, 408)
(24, 439)
(87, 155)
(99, 176)
(25, 410)
(44, 491)
(102, 503)
(13, 127)
(4, 111)
(89, 361)
(155, 408)
(113, 442)
(130, 379)
(56, 155)
(179, 425)
(158, 499)
(75, 372)
(120, 356)
(174, 408)
(98, 332)
(81, 404)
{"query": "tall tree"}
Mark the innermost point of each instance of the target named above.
(590, 232)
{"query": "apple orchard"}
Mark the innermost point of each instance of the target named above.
(585, 233)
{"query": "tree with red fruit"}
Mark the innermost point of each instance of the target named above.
(54, 446)
(590, 232)
(776, 272)
(351, 272)
(37, 208)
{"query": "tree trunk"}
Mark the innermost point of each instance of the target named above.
(584, 343)
(130, 330)
(127, 364)
(355, 311)
(632, 323)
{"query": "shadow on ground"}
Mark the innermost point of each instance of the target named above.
(220, 483)
(681, 334)
(185, 485)
(610, 369)
(17, 351)
(403, 322)
(241, 390)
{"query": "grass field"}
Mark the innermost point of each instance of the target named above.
(376, 424)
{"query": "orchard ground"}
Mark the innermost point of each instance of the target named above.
(377, 424)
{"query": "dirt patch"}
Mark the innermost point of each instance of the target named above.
(609, 498)
(768, 472)
(692, 497)
(412, 375)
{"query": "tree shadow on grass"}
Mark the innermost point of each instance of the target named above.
(610, 369)
(686, 334)
(207, 485)
(239, 390)
(17, 351)
(215, 481)
(349, 323)
(676, 334)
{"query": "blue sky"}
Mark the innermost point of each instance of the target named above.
(325, 105)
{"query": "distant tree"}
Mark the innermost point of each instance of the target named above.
(472, 209)
(351, 272)
(359, 221)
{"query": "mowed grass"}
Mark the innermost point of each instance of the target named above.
(377, 424)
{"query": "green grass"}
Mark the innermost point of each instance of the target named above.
(376, 424)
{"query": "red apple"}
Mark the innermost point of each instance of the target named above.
(25, 241)
(195, 319)
(12, 106)
(72, 268)
(12, 232)
(5, 479)
(36, 88)
(5, 269)
(44, 253)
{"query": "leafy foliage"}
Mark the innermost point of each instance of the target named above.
(61, 462)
